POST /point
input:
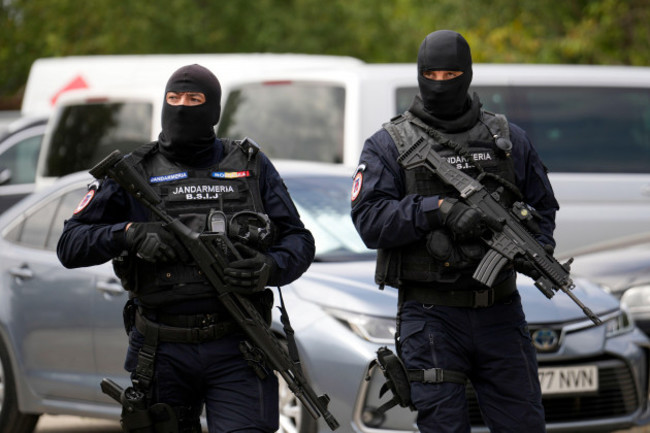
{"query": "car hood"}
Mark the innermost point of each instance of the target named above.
(350, 286)
(618, 268)
(561, 308)
(347, 286)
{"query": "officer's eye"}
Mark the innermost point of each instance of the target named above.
(196, 98)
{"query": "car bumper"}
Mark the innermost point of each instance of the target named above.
(339, 368)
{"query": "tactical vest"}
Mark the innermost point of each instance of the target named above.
(476, 152)
(189, 194)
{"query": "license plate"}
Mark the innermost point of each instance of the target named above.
(568, 380)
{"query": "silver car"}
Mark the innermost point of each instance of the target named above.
(623, 268)
(61, 330)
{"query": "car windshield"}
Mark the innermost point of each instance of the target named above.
(324, 206)
(290, 119)
(574, 129)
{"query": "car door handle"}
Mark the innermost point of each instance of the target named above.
(23, 272)
(110, 287)
(645, 190)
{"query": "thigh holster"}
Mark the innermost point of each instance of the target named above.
(399, 378)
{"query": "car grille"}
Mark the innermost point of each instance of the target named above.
(616, 396)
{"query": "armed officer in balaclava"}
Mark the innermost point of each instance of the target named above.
(429, 245)
(184, 348)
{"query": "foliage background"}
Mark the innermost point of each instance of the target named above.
(499, 31)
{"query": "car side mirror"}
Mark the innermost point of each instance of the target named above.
(5, 175)
(637, 299)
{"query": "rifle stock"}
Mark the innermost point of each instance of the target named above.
(207, 249)
(509, 239)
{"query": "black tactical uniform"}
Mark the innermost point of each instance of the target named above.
(196, 358)
(429, 252)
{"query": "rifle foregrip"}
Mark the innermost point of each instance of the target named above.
(321, 403)
(324, 400)
(101, 169)
(332, 423)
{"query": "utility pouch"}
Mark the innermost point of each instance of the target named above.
(387, 268)
(123, 268)
(128, 315)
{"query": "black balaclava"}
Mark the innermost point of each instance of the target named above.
(188, 131)
(445, 50)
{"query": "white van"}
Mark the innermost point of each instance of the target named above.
(591, 124)
(50, 78)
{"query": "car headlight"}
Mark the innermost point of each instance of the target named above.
(372, 328)
(619, 324)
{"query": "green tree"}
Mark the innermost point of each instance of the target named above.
(544, 31)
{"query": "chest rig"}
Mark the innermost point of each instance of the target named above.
(231, 186)
(481, 151)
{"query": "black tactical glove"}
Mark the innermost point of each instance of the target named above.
(523, 266)
(251, 273)
(464, 221)
(152, 242)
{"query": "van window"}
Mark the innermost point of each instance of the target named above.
(575, 129)
(289, 119)
(86, 133)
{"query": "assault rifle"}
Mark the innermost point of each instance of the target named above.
(211, 251)
(510, 238)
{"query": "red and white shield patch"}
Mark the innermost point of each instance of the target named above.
(356, 185)
(84, 201)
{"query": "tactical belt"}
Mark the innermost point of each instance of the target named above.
(460, 298)
(187, 320)
(172, 334)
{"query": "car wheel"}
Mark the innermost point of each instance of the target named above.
(294, 418)
(11, 420)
